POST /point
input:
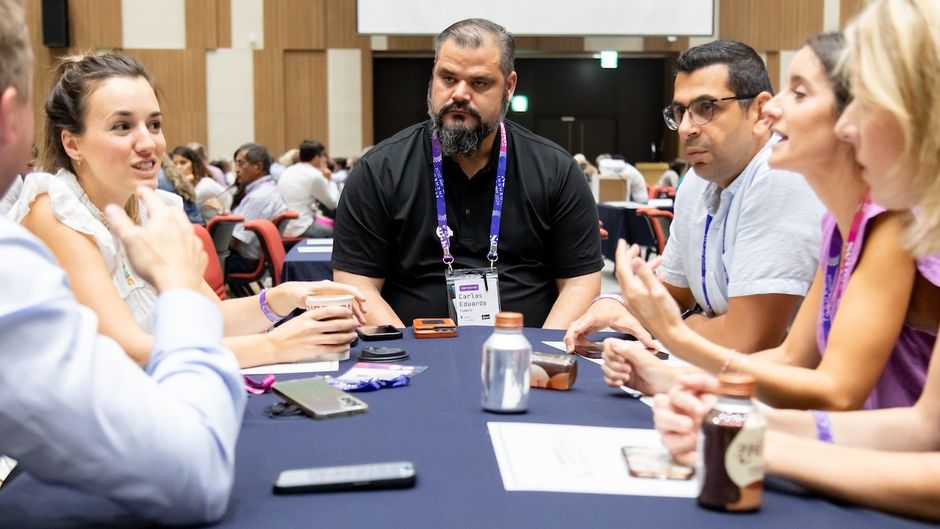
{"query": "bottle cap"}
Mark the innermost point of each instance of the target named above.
(737, 384)
(509, 320)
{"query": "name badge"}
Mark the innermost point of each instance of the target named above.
(474, 296)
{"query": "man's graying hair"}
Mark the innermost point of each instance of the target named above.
(255, 153)
(15, 49)
(472, 32)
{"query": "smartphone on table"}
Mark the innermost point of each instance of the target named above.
(371, 333)
(434, 328)
(318, 399)
(391, 475)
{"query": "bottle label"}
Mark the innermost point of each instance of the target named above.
(744, 459)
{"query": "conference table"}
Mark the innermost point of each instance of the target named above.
(308, 260)
(437, 423)
(622, 222)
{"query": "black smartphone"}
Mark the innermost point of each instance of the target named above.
(371, 333)
(393, 475)
(318, 399)
(589, 350)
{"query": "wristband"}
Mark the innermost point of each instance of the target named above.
(616, 297)
(268, 313)
(823, 426)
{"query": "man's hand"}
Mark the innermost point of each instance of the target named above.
(603, 313)
(678, 414)
(165, 252)
(628, 363)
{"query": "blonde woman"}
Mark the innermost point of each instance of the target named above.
(887, 459)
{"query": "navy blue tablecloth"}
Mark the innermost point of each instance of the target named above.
(437, 422)
(313, 266)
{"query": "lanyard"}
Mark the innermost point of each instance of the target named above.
(443, 231)
(838, 270)
(724, 227)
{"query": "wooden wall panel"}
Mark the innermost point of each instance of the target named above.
(44, 60)
(183, 95)
(95, 24)
(770, 24)
(561, 44)
(224, 23)
(550, 44)
(305, 98)
(341, 25)
(368, 130)
(202, 28)
(269, 99)
(410, 43)
(662, 44)
(773, 69)
(295, 24)
(848, 9)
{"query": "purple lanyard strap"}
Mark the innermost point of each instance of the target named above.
(724, 227)
(837, 270)
(443, 231)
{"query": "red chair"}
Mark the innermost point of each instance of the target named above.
(281, 222)
(213, 274)
(220, 228)
(659, 222)
(271, 261)
(662, 192)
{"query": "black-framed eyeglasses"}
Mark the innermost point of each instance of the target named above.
(701, 112)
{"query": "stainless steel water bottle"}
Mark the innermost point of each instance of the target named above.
(505, 371)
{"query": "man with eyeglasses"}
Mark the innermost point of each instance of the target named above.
(743, 245)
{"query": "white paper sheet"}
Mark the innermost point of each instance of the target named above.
(299, 367)
(579, 459)
(315, 249)
(320, 242)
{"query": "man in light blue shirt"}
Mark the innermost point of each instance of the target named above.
(744, 242)
(257, 198)
(75, 410)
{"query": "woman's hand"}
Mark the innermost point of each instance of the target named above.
(326, 330)
(678, 414)
(644, 295)
(285, 297)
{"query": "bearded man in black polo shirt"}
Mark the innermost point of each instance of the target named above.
(426, 236)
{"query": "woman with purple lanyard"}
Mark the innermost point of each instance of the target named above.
(887, 459)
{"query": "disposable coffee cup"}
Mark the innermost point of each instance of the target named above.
(332, 300)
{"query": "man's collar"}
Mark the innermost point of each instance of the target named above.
(262, 179)
(714, 194)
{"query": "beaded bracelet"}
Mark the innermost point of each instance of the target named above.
(823, 426)
(268, 313)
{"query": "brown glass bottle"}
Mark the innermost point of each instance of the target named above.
(731, 464)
